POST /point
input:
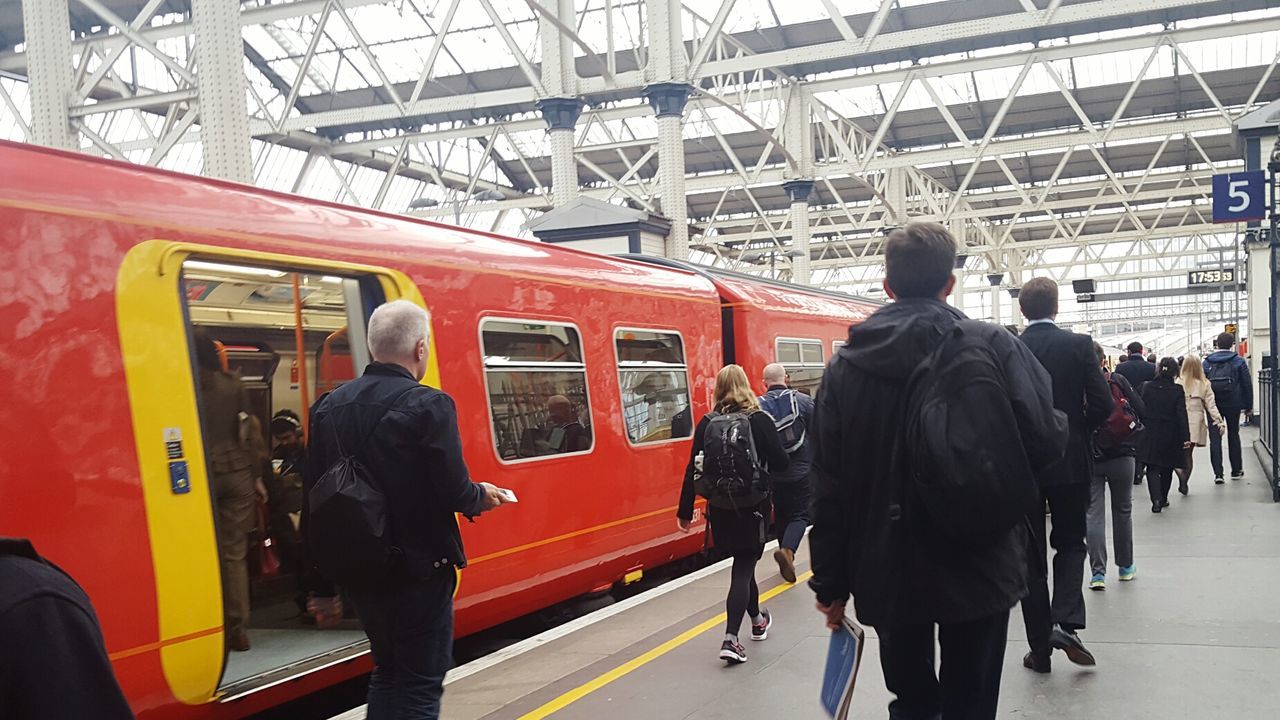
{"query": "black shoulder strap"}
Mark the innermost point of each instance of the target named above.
(386, 408)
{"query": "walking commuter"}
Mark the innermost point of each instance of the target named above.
(1080, 391)
(1201, 409)
(792, 413)
(1228, 373)
(1138, 372)
(54, 663)
(732, 447)
(1113, 452)
(905, 580)
(405, 435)
(1167, 436)
(235, 478)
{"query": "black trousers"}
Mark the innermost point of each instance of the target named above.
(1232, 418)
(1159, 480)
(967, 687)
(410, 629)
(1069, 505)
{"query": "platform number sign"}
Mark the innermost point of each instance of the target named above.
(1239, 196)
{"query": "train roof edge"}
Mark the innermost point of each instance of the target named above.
(713, 274)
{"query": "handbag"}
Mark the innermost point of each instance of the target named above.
(264, 552)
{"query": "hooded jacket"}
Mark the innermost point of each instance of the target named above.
(859, 546)
(1241, 396)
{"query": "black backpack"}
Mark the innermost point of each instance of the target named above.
(731, 476)
(784, 408)
(348, 532)
(967, 471)
(1222, 377)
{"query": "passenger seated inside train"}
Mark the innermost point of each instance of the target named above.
(561, 432)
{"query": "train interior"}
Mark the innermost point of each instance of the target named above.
(288, 337)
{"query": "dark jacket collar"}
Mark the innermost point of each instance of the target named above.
(388, 370)
(777, 387)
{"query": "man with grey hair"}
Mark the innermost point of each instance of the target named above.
(792, 413)
(405, 435)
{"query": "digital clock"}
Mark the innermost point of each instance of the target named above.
(1216, 276)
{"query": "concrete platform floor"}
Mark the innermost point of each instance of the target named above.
(1196, 636)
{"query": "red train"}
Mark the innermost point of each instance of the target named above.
(577, 377)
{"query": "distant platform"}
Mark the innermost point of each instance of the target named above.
(1195, 637)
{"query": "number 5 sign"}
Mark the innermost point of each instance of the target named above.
(1239, 196)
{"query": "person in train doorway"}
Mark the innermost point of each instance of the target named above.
(1080, 391)
(54, 663)
(1228, 373)
(875, 534)
(236, 480)
(288, 461)
(406, 437)
(792, 413)
(1139, 371)
(734, 448)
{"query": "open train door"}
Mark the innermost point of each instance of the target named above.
(269, 315)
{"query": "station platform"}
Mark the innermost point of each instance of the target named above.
(1196, 635)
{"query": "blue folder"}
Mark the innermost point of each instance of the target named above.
(844, 655)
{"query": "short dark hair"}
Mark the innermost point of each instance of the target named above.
(1039, 298)
(1168, 367)
(919, 259)
(1097, 350)
(1225, 341)
(1134, 348)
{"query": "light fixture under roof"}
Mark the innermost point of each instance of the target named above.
(232, 269)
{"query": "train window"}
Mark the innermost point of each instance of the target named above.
(804, 362)
(281, 338)
(537, 385)
(655, 385)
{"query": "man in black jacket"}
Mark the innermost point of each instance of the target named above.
(54, 663)
(1135, 368)
(903, 582)
(1080, 391)
(415, 453)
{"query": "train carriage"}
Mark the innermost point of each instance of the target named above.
(577, 376)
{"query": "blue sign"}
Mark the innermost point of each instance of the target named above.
(1239, 196)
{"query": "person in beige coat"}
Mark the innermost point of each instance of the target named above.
(1202, 412)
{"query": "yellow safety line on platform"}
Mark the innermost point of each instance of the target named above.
(591, 686)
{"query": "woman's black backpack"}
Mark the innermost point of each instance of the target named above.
(731, 475)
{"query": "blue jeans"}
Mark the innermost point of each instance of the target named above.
(410, 629)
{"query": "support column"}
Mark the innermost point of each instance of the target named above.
(668, 101)
(561, 114)
(995, 279)
(224, 116)
(956, 228)
(50, 75)
(896, 194)
(561, 107)
(799, 191)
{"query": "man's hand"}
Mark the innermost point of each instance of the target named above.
(834, 613)
(260, 489)
(493, 497)
(683, 525)
(1188, 445)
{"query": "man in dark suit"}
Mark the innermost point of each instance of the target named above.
(1080, 391)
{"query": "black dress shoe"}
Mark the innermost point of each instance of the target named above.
(1071, 644)
(1165, 503)
(1182, 488)
(1156, 507)
(1037, 663)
